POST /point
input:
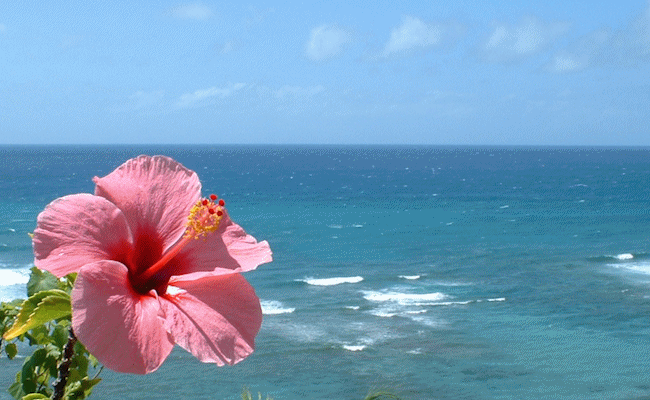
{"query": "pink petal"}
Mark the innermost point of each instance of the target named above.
(215, 318)
(225, 251)
(121, 328)
(156, 195)
(78, 229)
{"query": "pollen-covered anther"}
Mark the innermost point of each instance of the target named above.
(204, 217)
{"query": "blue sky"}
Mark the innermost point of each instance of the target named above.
(413, 72)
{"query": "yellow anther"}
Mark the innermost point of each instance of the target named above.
(204, 218)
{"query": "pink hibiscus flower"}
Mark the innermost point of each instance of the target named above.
(157, 266)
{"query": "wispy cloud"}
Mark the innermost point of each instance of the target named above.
(413, 34)
(326, 42)
(201, 96)
(195, 11)
(603, 47)
(514, 43)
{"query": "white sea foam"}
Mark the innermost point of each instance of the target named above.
(404, 298)
(497, 299)
(452, 303)
(331, 281)
(9, 277)
(274, 307)
(410, 277)
(624, 256)
(441, 283)
(638, 267)
(335, 226)
(352, 307)
(354, 348)
(383, 313)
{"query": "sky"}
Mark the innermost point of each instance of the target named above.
(457, 72)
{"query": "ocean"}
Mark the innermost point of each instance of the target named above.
(431, 272)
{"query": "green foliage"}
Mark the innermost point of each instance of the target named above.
(44, 321)
(39, 309)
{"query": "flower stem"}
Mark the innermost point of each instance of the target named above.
(64, 367)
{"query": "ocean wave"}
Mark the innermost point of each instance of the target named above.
(410, 277)
(274, 307)
(622, 257)
(637, 267)
(10, 277)
(404, 298)
(353, 347)
(442, 283)
(331, 281)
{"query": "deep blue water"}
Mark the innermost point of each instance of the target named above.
(435, 272)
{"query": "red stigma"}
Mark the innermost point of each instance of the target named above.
(219, 213)
(213, 197)
(211, 210)
(222, 203)
(204, 202)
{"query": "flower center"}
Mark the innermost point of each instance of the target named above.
(205, 217)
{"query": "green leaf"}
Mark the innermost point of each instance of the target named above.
(39, 309)
(41, 280)
(16, 389)
(11, 350)
(35, 396)
(60, 335)
(81, 389)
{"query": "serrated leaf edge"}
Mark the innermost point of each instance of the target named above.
(19, 327)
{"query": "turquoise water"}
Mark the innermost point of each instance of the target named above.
(435, 272)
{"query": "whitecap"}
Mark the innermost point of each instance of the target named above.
(335, 226)
(497, 299)
(415, 312)
(352, 307)
(410, 277)
(354, 348)
(638, 267)
(441, 283)
(404, 298)
(383, 313)
(357, 226)
(624, 256)
(506, 206)
(274, 307)
(331, 281)
(9, 277)
(452, 303)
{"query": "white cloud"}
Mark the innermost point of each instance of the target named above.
(326, 42)
(513, 43)
(603, 47)
(287, 91)
(413, 33)
(193, 11)
(199, 96)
